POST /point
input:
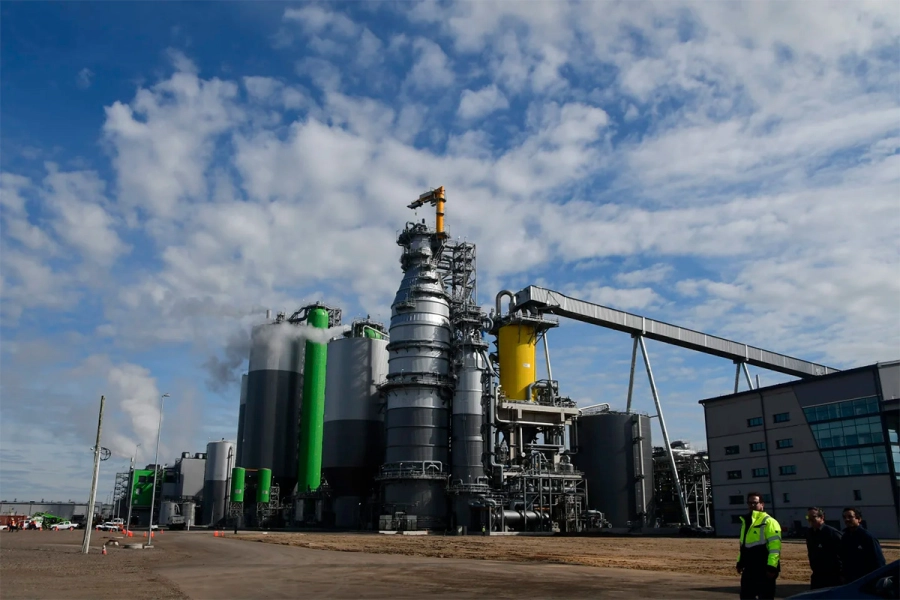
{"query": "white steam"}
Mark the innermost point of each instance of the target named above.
(134, 395)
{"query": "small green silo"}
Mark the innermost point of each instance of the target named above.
(312, 421)
(264, 485)
(238, 481)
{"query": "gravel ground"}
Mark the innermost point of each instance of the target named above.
(705, 557)
(50, 565)
(47, 564)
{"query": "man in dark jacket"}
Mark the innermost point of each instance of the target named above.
(860, 551)
(759, 559)
(823, 546)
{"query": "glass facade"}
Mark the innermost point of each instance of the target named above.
(856, 461)
(850, 432)
(842, 410)
(850, 437)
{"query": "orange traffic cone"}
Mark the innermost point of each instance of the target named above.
(130, 533)
(103, 552)
(216, 533)
(144, 534)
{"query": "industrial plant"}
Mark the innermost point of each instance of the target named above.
(438, 421)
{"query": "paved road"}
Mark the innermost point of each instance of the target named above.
(229, 568)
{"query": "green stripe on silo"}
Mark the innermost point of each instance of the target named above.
(264, 485)
(238, 480)
(309, 463)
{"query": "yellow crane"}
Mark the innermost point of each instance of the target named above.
(436, 198)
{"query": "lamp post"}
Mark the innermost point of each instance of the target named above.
(131, 488)
(155, 473)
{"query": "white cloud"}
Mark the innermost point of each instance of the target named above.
(431, 70)
(77, 199)
(85, 78)
(475, 105)
(162, 142)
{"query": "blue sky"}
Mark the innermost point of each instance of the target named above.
(169, 171)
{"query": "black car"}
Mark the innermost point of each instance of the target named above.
(881, 583)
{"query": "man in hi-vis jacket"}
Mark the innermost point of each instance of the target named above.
(759, 560)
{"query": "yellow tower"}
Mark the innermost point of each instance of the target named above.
(517, 347)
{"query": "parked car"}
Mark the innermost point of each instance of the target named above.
(63, 525)
(881, 583)
(109, 526)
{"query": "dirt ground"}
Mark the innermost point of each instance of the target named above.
(330, 565)
(48, 564)
(705, 557)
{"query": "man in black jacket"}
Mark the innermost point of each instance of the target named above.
(823, 546)
(860, 551)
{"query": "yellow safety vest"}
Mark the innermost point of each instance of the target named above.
(761, 544)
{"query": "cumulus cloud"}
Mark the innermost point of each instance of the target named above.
(475, 105)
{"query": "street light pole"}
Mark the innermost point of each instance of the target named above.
(131, 488)
(155, 473)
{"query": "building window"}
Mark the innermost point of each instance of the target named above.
(857, 495)
(734, 474)
(787, 470)
(735, 499)
(767, 498)
(758, 447)
(781, 417)
(736, 519)
(785, 497)
(754, 422)
(732, 450)
(856, 461)
(761, 472)
(842, 410)
(786, 443)
(851, 432)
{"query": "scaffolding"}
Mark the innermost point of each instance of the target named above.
(692, 468)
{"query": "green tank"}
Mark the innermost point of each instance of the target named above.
(309, 467)
(238, 480)
(373, 334)
(264, 486)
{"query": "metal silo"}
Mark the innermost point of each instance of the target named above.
(274, 399)
(219, 462)
(616, 456)
(242, 413)
(353, 444)
(309, 462)
(418, 388)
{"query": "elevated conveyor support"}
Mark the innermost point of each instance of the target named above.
(548, 301)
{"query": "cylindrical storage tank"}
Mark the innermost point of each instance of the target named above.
(467, 443)
(242, 413)
(616, 456)
(309, 461)
(353, 435)
(274, 398)
(264, 486)
(167, 508)
(517, 347)
(238, 484)
(219, 462)
(188, 510)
